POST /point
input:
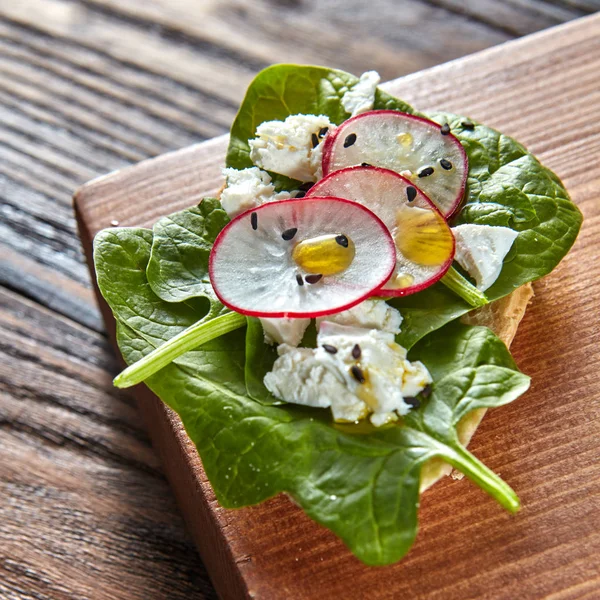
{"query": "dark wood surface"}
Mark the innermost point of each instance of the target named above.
(546, 445)
(89, 86)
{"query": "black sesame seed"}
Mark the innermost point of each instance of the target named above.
(342, 240)
(356, 351)
(411, 193)
(313, 278)
(366, 165)
(330, 349)
(254, 221)
(414, 402)
(350, 139)
(468, 125)
(323, 131)
(357, 374)
(300, 194)
(426, 172)
(315, 140)
(445, 130)
(304, 187)
(446, 164)
(299, 280)
(288, 234)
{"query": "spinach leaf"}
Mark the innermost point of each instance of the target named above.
(463, 347)
(178, 272)
(282, 90)
(259, 361)
(364, 487)
(124, 258)
(181, 245)
(145, 322)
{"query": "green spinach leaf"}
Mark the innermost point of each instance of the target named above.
(259, 361)
(364, 487)
(181, 245)
(123, 258)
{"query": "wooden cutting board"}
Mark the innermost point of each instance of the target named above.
(545, 91)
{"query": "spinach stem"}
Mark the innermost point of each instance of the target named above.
(455, 282)
(188, 339)
(485, 478)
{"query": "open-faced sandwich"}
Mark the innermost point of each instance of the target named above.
(335, 325)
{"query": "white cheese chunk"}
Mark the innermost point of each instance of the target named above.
(284, 330)
(246, 189)
(322, 378)
(316, 162)
(286, 147)
(379, 419)
(480, 250)
(370, 314)
(361, 96)
(300, 376)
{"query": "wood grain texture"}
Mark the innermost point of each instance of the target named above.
(545, 445)
(85, 511)
(90, 86)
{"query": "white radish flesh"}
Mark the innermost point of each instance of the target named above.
(433, 159)
(301, 258)
(424, 242)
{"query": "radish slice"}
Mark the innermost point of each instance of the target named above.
(412, 146)
(424, 242)
(301, 258)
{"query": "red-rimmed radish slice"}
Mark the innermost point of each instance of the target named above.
(301, 258)
(424, 242)
(412, 146)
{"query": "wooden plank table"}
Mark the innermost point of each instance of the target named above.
(90, 86)
(544, 90)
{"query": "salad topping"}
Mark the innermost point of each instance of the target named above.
(291, 147)
(481, 249)
(354, 371)
(246, 189)
(405, 362)
(370, 314)
(361, 97)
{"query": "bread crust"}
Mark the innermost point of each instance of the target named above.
(503, 317)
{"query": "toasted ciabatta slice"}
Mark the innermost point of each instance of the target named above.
(502, 317)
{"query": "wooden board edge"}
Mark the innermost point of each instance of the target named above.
(228, 587)
(171, 443)
(144, 166)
